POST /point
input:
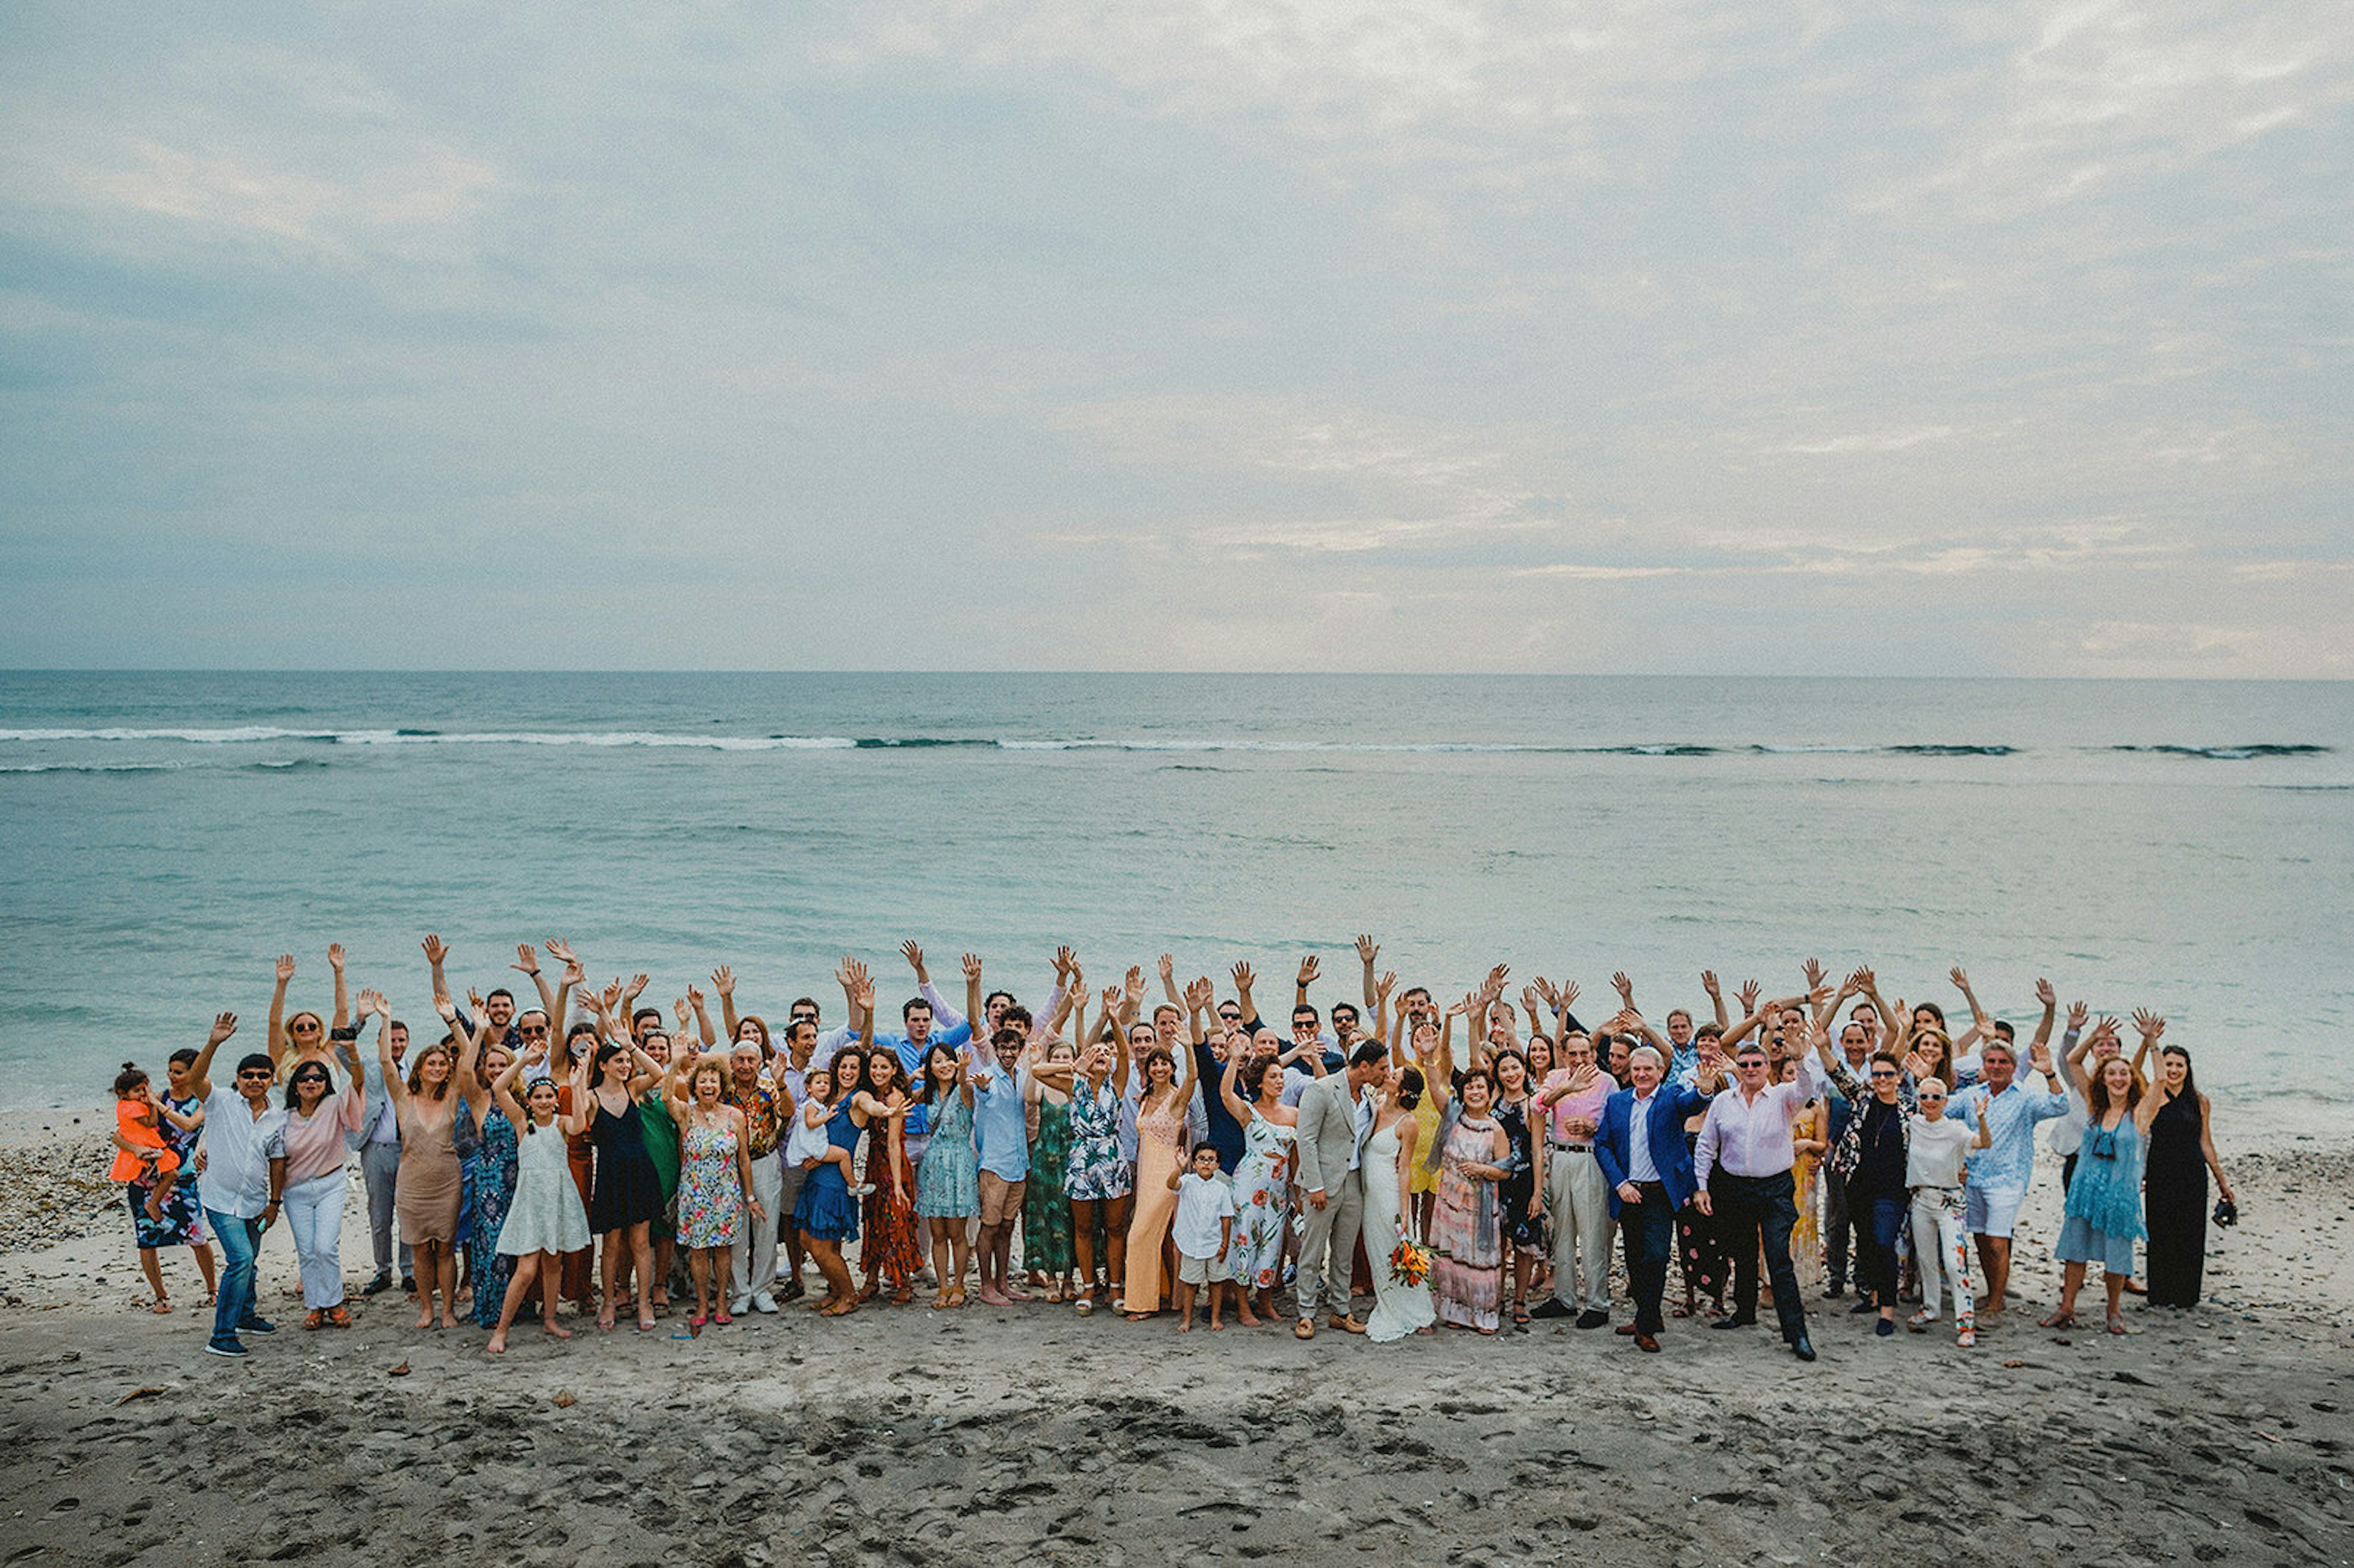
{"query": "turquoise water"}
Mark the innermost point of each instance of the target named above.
(2184, 846)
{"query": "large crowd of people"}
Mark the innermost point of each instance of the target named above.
(1149, 1151)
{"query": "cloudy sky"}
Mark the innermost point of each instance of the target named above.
(1428, 335)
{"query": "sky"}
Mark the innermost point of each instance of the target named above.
(1658, 336)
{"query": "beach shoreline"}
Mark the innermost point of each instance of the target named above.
(903, 1435)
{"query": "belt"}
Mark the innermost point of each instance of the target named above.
(1571, 1148)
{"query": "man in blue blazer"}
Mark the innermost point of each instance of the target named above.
(1640, 1148)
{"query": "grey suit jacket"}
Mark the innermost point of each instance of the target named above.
(1329, 1136)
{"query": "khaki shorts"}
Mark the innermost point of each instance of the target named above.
(1201, 1270)
(1001, 1201)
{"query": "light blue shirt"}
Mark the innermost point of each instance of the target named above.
(1000, 1124)
(2009, 1163)
(1640, 1167)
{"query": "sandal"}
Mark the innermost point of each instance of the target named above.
(902, 1296)
(2059, 1321)
(722, 1318)
(162, 1305)
(2117, 1323)
(1084, 1306)
(1520, 1315)
(1920, 1320)
(695, 1322)
(313, 1317)
(339, 1317)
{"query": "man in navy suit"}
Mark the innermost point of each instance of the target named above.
(1640, 1149)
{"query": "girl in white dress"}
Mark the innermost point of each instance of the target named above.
(547, 1219)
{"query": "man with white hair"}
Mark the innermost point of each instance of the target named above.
(1641, 1147)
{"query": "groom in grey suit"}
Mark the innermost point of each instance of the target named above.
(1336, 1115)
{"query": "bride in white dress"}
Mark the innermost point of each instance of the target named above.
(1399, 1309)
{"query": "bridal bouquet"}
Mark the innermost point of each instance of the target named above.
(1409, 1264)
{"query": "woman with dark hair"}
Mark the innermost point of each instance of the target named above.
(1045, 1205)
(429, 1102)
(1160, 1128)
(627, 1193)
(577, 1276)
(826, 1214)
(2103, 1213)
(947, 1183)
(491, 1176)
(1262, 1178)
(1872, 1157)
(889, 1254)
(177, 1219)
(2174, 1185)
(1523, 1191)
(1466, 1231)
(1100, 1181)
(1400, 1307)
(313, 1140)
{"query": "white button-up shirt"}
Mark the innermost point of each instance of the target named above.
(1746, 1137)
(235, 1178)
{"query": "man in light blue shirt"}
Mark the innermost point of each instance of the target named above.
(1999, 1175)
(1001, 1088)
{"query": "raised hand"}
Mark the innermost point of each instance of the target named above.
(1368, 950)
(1813, 973)
(526, 962)
(1708, 982)
(2077, 1013)
(2039, 1056)
(1960, 978)
(285, 968)
(1242, 975)
(574, 974)
(1569, 998)
(636, 988)
(683, 1013)
(1749, 992)
(971, 962)
(860, 981)
(436, 952)
(865, 998)
(223, 1027)
(1307, 970)
(2046, 995)
(723, 981)
(914, 955)
(382, 1008)
(1623, 986)
(1384, 986)
(1496, 977)
(368, 1000)
(614, 998)
(2151, 1025)
(1531, 999)
(693, 997)
(336, 956)
(1133, 991)
(447, 1009)
(1168, 965)
(1066, 960)
(474, 1000)
(1111, 996)
(1866, 981)
(560, 950)
(1200, 994)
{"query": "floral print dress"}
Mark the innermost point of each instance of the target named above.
(710, 1192)
(1094, 1171)
(1262, 1202)
(183, 1221)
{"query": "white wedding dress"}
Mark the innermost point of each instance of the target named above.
(1398, 1309)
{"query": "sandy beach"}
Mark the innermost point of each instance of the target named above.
(903, 1435)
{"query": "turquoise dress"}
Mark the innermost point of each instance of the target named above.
(826, 1210)
(947, 1183)
(490, 1192)
(2104, 1200)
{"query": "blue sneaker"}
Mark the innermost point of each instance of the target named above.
(229, 1348)
(257, 1326)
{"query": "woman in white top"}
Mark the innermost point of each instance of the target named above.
(1935, 1156)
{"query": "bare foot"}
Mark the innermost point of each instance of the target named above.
(448, 1321)
(555, 1330)
(1014, 1294)
(1250, 1321)
(425, 1318)
(1214, 1324)
(498, 1345)
(992, 1298)
(1185, 1324)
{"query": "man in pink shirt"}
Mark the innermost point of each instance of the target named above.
(1742, 1165)
(1576, 1193)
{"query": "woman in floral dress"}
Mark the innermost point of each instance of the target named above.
(1046, 1203)
(493, 1168)
(1099, 1185)
(947, 1183)
(1467, 1229)
(1262, 1178)
(889, 1253)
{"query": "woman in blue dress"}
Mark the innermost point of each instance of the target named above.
(826, 1215)
(2104, 1211)
(490, 1188)
(947, 1183)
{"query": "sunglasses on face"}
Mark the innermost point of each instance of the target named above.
(306, 1028)
(1883, 1072)
(529, 1032)
(1932, 1100)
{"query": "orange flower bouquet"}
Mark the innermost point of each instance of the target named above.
(1409, 1264)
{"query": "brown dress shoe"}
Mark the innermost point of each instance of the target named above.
(1645, 1342)
(1348, 1325)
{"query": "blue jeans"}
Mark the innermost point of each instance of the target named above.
(240, 1239)
(1647, 1230)
(1880, 1219)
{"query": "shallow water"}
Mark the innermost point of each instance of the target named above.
(2183, 846)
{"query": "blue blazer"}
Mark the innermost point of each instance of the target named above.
(1670, 1106)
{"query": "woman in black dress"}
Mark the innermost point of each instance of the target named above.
(627, 1195)
(2174, 1180)
(1523, 1191)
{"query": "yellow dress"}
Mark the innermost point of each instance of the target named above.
(1806, 1236)
(1422, 1178)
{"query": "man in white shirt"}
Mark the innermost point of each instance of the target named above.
(1743, 1164)
(240, 1182)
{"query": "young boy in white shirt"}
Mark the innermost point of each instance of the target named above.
(1203, 1230)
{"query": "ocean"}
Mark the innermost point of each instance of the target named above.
(2183, 846)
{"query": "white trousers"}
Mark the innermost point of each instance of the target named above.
(752, 1261)
(315, 1219)
(1941, 1244)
